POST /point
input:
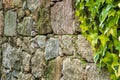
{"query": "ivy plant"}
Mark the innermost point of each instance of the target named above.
(100, 23)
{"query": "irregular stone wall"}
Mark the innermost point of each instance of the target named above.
(39, 40)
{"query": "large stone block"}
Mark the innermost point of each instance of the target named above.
(52, 48)
(1, 22)
(25, 27)
(67, 45)
(84, 48)
(38, 64)
(73, 69)
(12, 3)
(43, 20)
(10, 23)
(62, 17)
(1, 5)
(11, 57)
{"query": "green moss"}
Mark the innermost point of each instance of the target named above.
(50, 70)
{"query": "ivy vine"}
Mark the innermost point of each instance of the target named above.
(100, 23)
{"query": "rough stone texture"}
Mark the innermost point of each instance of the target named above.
(33, 5)
(51, 48)
(93, 73)
(26, 44)
(25, 28)
(12, 3)
(1, 5)
(7, 3)
(38, 64)
(26, 61)
(62, 21)
(40, 40)
(84, 49)
(11, 57)
(1, 22)
(10, 23)
(73, 69)
(53, 70)
(0, 60)
(23, 76)
(67, 45)
(43, 23)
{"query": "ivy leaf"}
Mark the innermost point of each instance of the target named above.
(104, 39)
(104, 14)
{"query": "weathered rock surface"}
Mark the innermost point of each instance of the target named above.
(73, 69)
(12, 3)
(38, 64)
(62, 21)
(84, 49)
(51, 48)
(25, 27)
(67, 45)
(11, 57)
(93, 73)
(1, 5)
(53, 70)
(10, 23)
(40, 40)
(26, 61)
(43, 21)
(23, 76)
(1, 22)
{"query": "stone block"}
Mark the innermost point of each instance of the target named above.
(84, 48)
(10, 23)
(62, 17)
(1, 23)
(43, 18)
(25, 27)
(52, 48)
(38, 64)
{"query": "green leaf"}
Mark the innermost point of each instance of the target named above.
(104, 39)
(104, 14)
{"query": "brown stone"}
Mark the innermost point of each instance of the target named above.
(7, 3)
(1, 22)
(12, 3)
(62, 17)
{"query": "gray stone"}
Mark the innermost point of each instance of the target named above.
(84, 48)
(0, 60)
(1, 5)
(33, 5)
(67, 45)
(7, 4)
(53, 70)
(1, 23)
(25, 27)
(17, 3)
(40, 40)
(11, 57)
(93, 73)
(73, 69)
(20, 13)
(10, 23)
(26, 61)
(26, 44)
(6, 74)
(43, 19)
(23, 76)
(52, 48)
(38, 64)
(62, 17)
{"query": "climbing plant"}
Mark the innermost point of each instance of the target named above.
(100, 23)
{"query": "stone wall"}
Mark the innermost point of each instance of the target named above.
(39, 40)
